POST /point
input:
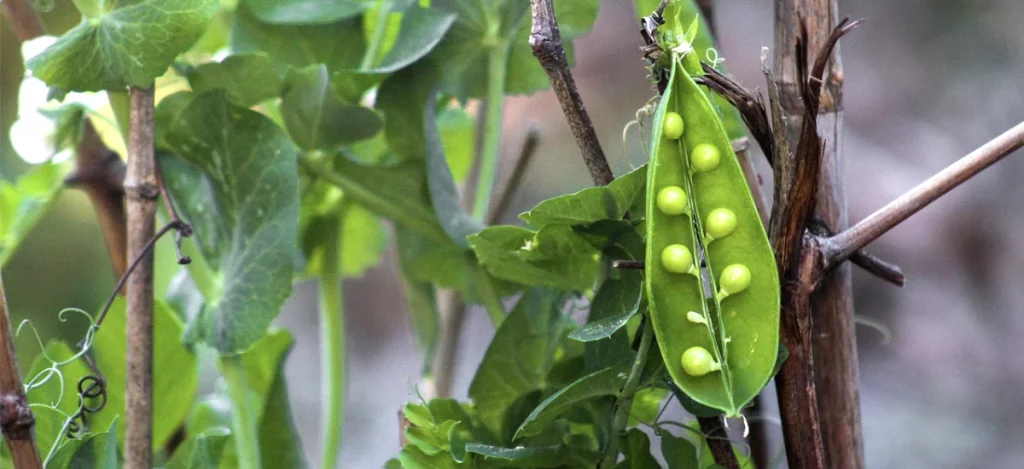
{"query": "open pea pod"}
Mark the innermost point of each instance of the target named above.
(719, 344)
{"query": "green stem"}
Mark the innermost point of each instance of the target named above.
(488, 295)
(497, 66)
(205, 278)
(380, 27)
(332, 344)
(420, 221)
(244, 421)
(624, 402)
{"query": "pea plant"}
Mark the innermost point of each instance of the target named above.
(278, 141)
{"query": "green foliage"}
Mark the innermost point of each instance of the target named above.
(235, 179)
(248, 78)
(24, 202)
(317, 118)
(130, 43)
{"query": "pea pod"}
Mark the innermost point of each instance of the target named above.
(720, 345)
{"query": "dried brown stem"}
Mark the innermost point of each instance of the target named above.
(100, 173)
(718, 440)
(142, 189)
(840, 246)
(452, 311)
(546, 41)
(16, 419)
(22, 18)
(516, 178)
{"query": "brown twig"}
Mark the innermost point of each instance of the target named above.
(16, 419)
(23, 19)
(546, 41)
(142, 189)
(515, 179)
(718, 440)
(840, 246)
(100, 173)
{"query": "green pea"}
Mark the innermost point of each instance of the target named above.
(677, 259)
(673, 126)
(672, 200)
(735, 279)
(697, 361)
(705, 157)
(721, 222)
(719, 207)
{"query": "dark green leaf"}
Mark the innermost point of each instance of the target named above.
(130, 44)
(606, 382)
(592, 204)
(402, 99)
(239, 191)
(94, 451)
(175, 370)
(679, 453)
(553, 256)
(338, 45)
(24, 202)
(201, 451)
(419, 296)
(614, 304)
(316, 118)
(520, 456)
(421, 30)
(443, 193)
(637, 447)
(259, 396)
(307, 11)
(519, 357)
(249, 78)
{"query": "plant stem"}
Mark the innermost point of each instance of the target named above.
(419, 221)
(497, 67)
(380, 27)
(244, 422)
(624, 402)
(141, 188)
(490, 299)
(332, 343)
(16, 420)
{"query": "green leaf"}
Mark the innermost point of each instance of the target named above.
(321, 216)
(94, 451)
(553, 256)
(592, 204)
(458, 136)
(420, 299)
(647, 403)
(175, 370)
(259, 396)
(24, 202)
(317, 118)
(306, 11)
(412, 457)
(201, 451)
(520, 456)
(128, 45)
(679, 453)
(421, 31)
(519, 358)
(239, 190)
(338, 45)
(402, 99)
(464, 50)
(637, 447)
(613, 305)
(248, 78)
(48, 388)
(606, 382)
(443, 193)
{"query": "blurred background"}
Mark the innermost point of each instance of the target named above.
(926, 82)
